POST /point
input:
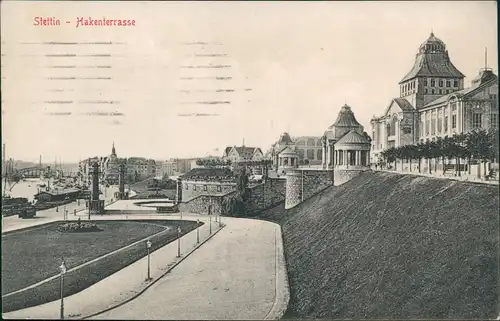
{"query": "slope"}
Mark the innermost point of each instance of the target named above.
(393, 246)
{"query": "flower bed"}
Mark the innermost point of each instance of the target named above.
(78, 227)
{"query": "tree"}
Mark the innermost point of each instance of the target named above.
(236, 203)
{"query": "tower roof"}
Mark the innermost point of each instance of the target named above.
(285, 139)
(484, 76)
(432, 60)
(345, 118)
(113, 150)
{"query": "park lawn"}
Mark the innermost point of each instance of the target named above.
(80, 279)
(33, 255)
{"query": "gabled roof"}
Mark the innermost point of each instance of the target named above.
(345, 118)
(353, 137)
(404, 104)
(244, 152)
(287, 151)
(227, 150)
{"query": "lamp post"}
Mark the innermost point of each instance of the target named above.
(178, 241)
(148, 246)
(210, 218)
(220, 219)
(198, 232)
(63, 271)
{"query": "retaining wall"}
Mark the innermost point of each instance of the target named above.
(302, 184)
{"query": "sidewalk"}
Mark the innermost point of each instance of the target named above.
(238, 275)
(125, 283)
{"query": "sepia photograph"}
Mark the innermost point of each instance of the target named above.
(250, 160)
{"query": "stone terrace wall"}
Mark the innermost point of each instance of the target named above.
(344, 175)
(199, 204)
(302, 184)
(261, 197)
(266, 195)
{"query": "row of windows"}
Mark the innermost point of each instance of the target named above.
(438, 125)
(441, 83)
(205, 188)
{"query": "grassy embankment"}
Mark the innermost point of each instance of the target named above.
(393, 246)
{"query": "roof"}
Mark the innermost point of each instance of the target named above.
(205, 173)
(246, 153)
(404, 104)
(353, 137)
(345, 118)
(285, 139)
(483, 80)
(61, 191)
(227, 150)
(287, 151)
(433, 60)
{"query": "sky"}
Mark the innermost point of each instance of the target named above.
(274, 67)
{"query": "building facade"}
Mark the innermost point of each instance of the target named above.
(242, 154)
(434, 103)
(169, 168)
(307, 148)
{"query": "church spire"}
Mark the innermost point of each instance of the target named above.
(113, 150)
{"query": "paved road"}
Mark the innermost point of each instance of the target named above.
(233, 276)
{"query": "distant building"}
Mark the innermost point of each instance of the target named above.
(205, 181)
(242, 153)
(169, 168)
(141, 167)
(434, 103)
(307, 148)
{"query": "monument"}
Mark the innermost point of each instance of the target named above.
(96, 205)
(121, 194)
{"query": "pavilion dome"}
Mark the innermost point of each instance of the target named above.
(285, 139)
(288, 152)
(353, 137)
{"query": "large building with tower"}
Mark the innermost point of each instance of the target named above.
(434, 102)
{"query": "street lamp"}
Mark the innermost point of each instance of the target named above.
(210, 216)
(148, 246)
(178, 241)
(198, 231)
(62, 268)
(220, 219)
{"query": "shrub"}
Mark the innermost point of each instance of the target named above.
(75, 227)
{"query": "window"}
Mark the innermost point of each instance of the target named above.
(440, 83)
(425, 82)
(433, 126)
(453, 121)
(425, 90)
(439, 124)
(205, 188)
(432, 91)
(445, 124)
(219, 188)
(494, 120)
(448, 83)
(455, 83)
(406, 130)
(427, 127)
(477, 120)
(433, 82)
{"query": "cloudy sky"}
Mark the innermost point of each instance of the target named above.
(189, 78)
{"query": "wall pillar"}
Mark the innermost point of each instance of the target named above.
(329, 156)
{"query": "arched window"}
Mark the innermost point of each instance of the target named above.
(319, 154)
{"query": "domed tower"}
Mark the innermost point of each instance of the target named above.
(433, 74)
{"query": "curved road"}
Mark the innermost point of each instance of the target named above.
(233, 276)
